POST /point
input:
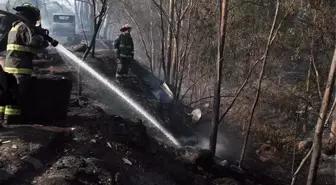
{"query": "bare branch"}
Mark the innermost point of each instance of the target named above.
(304, 160)
(317, 75)
(240, 89)
(259, 83)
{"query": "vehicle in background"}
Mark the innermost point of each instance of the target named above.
(64, 26)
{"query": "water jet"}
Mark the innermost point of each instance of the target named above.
(113, 87)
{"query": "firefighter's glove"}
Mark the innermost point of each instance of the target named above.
(116, 51)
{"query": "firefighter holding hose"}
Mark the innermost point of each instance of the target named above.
(24, 40)
(124, 49)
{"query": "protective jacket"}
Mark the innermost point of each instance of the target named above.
(23, 43)
(124, 46)
(6, 23)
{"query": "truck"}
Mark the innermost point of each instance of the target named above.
(64, 26)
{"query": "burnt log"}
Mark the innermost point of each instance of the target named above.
(80, 47)
(136, 132)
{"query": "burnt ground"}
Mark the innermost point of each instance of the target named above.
(93, 147)
(228, 147)
(101, 142)
(261, 171)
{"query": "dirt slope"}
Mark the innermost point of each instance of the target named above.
(91, 147)
(266, 172)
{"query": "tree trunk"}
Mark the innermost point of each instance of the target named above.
(93, 39)
(77, 12)
(220, 52)
(173, 71)
(170, 39)
(306, 114)
(88, 16)
(106, 26)
(163, 64)
(261, 75)
(317, 145)
(100, 20)
(333, 128)
(96, 22)
(152, 66)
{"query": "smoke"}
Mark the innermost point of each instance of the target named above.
(221, 146)
(201, 141)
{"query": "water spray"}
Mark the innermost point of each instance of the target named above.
(114, 88)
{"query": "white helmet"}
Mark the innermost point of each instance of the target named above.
(125, 27)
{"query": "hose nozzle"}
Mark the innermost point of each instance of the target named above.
(46, 36)
(54, 43)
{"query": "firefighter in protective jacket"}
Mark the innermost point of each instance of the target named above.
(23, 42)
(124, 49)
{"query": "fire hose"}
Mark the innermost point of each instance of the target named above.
(46, 36)
(39, 30)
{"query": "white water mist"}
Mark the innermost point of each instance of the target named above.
(62, 50)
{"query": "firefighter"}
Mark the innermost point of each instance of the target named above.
(23, 42)
(124, 49)
(9, 92)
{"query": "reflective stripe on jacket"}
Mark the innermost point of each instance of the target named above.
(12, 110)
(19, 55)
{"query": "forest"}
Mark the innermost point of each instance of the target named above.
(265, 69)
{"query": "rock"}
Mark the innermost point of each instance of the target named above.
(36, 163)
(224, 163)
(80, 47)
(196, 115)
(127, 161)
(117, 178)
(304, 145)
(137, 133)
(225, 181)
(330, 149)
(268, 152)
(196, 156)
(56, 180)
(5, 142)
(4, 175)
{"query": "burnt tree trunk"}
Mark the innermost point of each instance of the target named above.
(220, 52)
(163, 64)
(317, 145)
(170, 40)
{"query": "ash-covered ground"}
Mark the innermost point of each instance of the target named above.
(93, 147)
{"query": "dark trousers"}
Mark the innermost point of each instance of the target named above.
(123, 65)
(165, 110)
(14, 113)
(11, 94)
